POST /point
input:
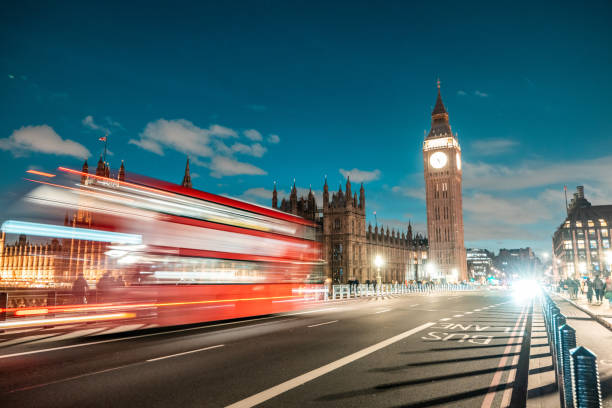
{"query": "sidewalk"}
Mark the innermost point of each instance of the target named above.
(542, 385)
(602, 313)
(592, 335)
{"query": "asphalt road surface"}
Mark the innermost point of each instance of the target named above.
(462, 349)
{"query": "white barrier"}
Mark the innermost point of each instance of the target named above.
(368, 290)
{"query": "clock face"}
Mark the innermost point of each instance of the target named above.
(438, 160)
(458, 161)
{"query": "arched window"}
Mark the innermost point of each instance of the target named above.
(337, 224)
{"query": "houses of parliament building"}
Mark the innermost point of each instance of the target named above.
(349, 247)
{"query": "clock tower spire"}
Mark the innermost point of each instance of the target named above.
(443, 178)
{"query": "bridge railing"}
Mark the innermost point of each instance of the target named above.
(346, 291)
(576, 370)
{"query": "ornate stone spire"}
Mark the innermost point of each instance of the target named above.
(101, 168)
(440, 126)
(121, 175)
(349, 195)
(85, 170)
(274, 197)
(362, 197)
(187, 177)
(325, 194)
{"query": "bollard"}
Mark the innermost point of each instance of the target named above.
(586, 389)
(559, 320)
(567, 336)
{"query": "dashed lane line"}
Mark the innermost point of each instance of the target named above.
(311, 375)
(186, 352)
(321, 324)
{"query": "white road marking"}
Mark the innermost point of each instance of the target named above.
(416, 304)
(469, 312)
(311, 375)
(25, 353)
(477, 310)
(186, 352)
(321, 324)
(458, 316)
(382, 311)
(445, 319)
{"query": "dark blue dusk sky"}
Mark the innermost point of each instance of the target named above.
(260, 91)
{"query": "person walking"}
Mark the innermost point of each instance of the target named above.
(80, 289)
(589, 289)
(598, 285)
(608, 290)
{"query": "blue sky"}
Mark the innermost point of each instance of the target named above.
(261, 91)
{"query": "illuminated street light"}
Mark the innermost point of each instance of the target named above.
(545, 255)
(378, 262)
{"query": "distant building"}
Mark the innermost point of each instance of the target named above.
(516, 262)
(581, 244)
(349, 247)
(479, 263)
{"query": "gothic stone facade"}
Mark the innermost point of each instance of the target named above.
(349, 247)
(443, 175)
(57, 263)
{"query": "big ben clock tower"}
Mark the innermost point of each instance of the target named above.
(442, 168)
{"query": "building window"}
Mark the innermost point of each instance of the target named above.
(604, 232)
(580, 233)
(590, 223)
(566, 225)
(603, 222)
(578, 224)
(580, 244)
(593, 244)
(591, 233)
(567, 244)
(337, 224)
(605, 243)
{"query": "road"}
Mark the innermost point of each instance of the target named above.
(461, 349)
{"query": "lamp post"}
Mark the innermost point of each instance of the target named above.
(378, 262)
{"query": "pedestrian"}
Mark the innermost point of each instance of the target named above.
(103, 286)
(608, 290)
(598, 285)
(589, 289)
(80, 289)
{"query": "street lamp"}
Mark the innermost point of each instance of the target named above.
(378, 262)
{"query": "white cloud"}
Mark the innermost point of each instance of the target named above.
(274, 139)
(88, 122)
(222, 131)
(461, 93)
(253, 135)
(226, 166)
(493, 146)
(180, 135)
(359, 176)
(42, 139)
(204, 146)
(256, 149)
(481, 94)
(490, 177)
(409, 192)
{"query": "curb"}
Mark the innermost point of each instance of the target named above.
(599, 320)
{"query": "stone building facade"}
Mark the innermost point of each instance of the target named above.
(581, 244)
(349, 246)
(58, 262)
(443, 178)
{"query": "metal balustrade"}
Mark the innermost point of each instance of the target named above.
(576, 369)
(347, 291)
